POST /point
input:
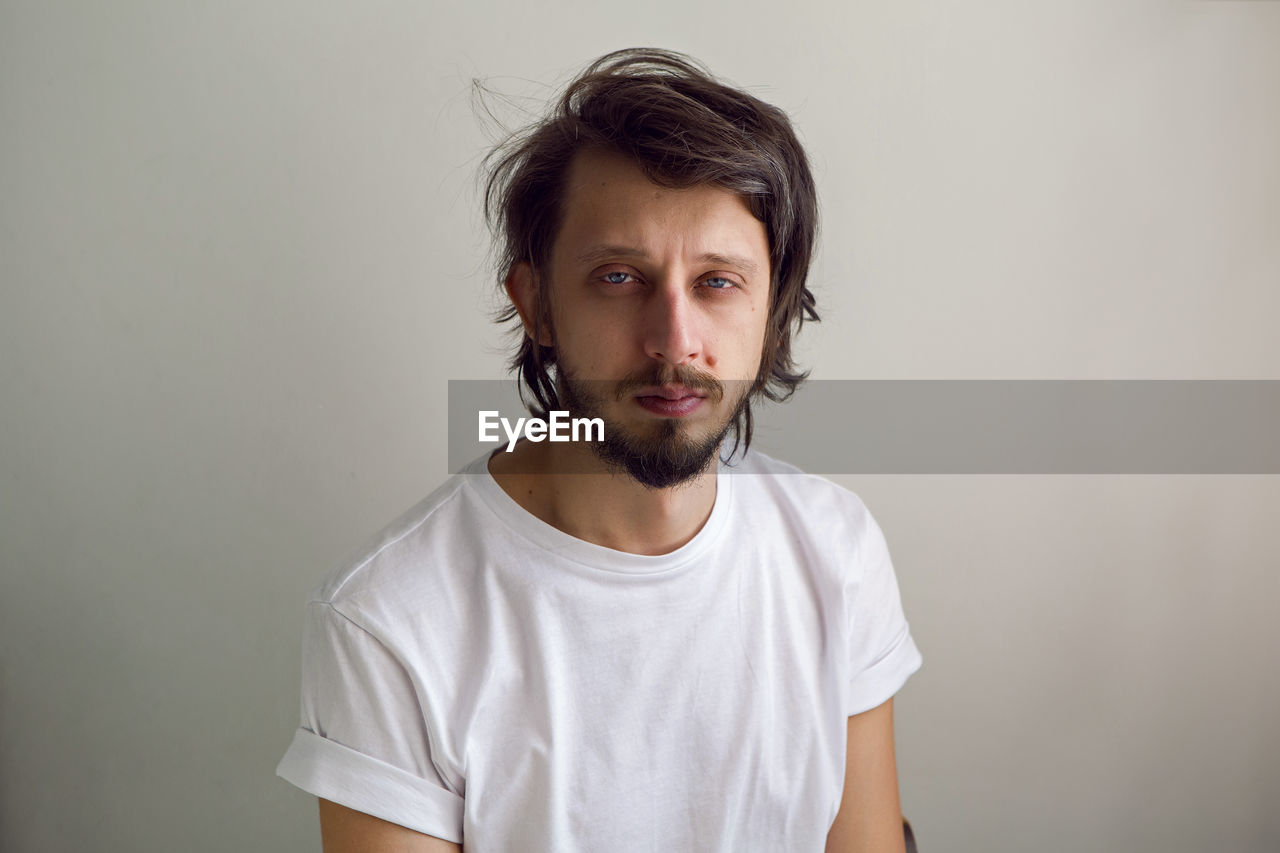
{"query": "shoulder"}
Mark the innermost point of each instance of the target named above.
(404, 564)
(825, 524)
(815, 501)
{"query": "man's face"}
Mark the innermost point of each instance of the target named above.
(659, 300)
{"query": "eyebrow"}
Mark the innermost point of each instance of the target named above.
(595, 254)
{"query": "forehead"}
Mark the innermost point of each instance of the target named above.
(608, 201)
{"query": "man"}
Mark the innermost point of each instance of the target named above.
(630, 644)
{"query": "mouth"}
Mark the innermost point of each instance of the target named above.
(671, 401)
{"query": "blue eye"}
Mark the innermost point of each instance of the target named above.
(609, 277)
(719, 283)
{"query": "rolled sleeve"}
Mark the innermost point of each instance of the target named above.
(881, 653)
(876, 684)
(341, 774)
(364, 741)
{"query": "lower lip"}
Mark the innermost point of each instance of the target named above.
(670, 408)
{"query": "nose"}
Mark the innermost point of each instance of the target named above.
(671, 330)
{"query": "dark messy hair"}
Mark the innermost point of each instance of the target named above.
(683, 128)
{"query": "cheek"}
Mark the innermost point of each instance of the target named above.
(756, 328)
(585, 345)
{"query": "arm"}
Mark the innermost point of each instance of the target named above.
(870, 817)
(344, 830)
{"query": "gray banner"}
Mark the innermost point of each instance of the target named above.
(980, 426)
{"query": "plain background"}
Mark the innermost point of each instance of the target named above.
(241, 255)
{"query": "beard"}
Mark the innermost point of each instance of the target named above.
(665, 452)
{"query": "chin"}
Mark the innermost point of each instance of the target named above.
(661, 455)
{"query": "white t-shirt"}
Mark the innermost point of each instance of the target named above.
(479, 674)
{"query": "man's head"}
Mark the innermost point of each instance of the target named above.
(656, 233)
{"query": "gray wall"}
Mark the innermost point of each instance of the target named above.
(240, 255)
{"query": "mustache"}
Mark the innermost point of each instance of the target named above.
(670, 374)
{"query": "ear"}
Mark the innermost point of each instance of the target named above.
(525, 293)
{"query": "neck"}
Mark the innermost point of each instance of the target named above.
(600, 505)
